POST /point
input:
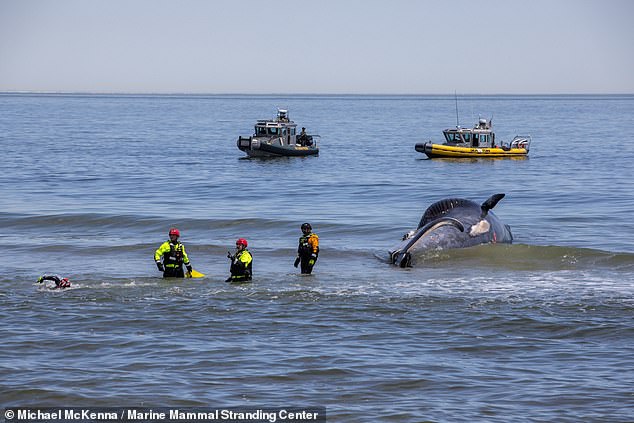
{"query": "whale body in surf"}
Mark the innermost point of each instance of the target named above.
(452, 223)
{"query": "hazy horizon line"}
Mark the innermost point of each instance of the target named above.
(297, 94)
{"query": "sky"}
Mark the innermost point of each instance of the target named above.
(318, 46)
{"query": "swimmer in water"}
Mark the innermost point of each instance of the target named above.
(60, 282)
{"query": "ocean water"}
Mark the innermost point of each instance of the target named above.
(540, 330)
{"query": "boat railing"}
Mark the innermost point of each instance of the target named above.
(312, 139)
(521, 141)
(267, 138)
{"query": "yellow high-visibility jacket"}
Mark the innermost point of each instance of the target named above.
(172, 254)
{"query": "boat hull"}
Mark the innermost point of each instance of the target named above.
(256, 148)
(440, 150)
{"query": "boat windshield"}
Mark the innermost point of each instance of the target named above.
(453, 137)
(262, 131)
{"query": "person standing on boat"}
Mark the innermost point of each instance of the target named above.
(302, 137)
(171, 256)
(307, 140)
(241, 263)
(308, 249)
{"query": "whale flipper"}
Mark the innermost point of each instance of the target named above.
(490, 203)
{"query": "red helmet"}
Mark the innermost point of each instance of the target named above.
(242, 241)
(175, 231)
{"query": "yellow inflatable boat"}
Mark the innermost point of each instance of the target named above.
(478, 141)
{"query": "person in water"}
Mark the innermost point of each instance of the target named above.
(241, 263)
(308, 249)
(60, 282)
(171, 256)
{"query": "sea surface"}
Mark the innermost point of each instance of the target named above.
(538, 331)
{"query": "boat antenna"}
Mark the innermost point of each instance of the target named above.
(457, 121)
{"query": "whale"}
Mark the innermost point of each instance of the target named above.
(452, 223)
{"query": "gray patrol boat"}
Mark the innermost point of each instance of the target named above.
(278, 137)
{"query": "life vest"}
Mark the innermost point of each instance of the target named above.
(241, 266)
(305, 248)
(174, 257)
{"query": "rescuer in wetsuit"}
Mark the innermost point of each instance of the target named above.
(171, 256)
(241, 263)
(308, 249)
(59, 281)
